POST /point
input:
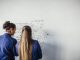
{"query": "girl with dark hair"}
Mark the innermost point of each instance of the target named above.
(9, 27)
(29, 49)
(7, 43)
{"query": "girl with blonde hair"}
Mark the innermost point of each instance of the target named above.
(29, 49)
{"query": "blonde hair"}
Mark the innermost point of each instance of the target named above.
(25, 50)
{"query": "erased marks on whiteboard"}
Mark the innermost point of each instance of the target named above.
(37, 29)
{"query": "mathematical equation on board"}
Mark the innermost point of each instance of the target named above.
(38, 32)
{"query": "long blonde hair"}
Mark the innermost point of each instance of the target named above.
(25, 50)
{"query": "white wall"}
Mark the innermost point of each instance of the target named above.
(61, 22)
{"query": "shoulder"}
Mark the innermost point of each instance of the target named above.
(1, 37)
(14, 40)
(36, 42)
(5, 41)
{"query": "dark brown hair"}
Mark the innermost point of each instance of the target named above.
(7, 25)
